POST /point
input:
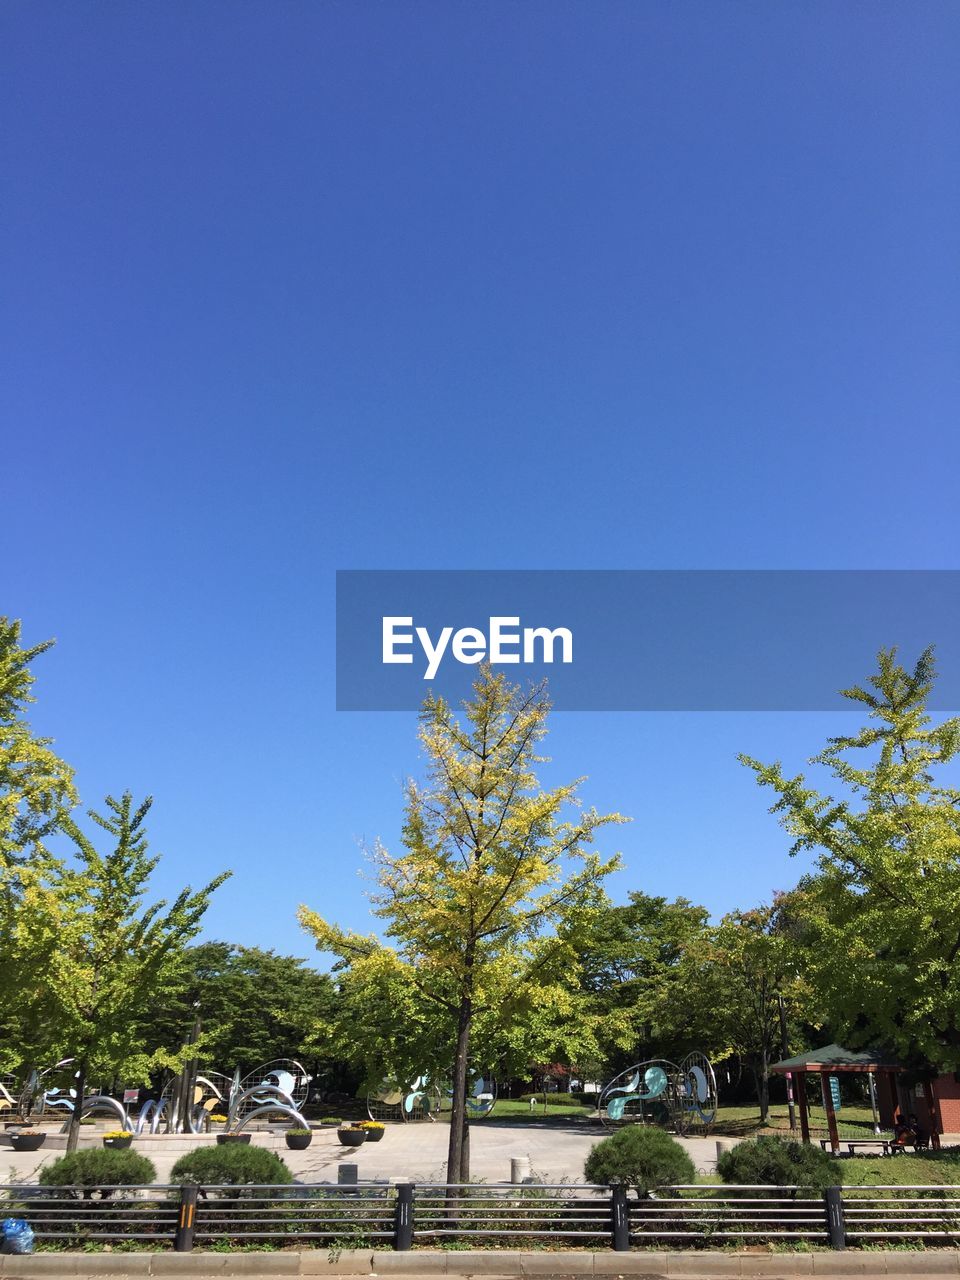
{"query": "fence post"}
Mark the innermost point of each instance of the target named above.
(619, 1219)
(403, 1217)
(183, 1240)
(836, 1225)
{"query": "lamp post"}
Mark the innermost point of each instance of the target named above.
(785, 1050)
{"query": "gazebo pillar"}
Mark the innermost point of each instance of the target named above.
(831, 1114)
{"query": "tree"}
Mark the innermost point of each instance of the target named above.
(490, 876)
(36, 790)
(734, 980)
(116, 955)
(36, 786)
(254, 1006)
(629, 958)
(883, 912)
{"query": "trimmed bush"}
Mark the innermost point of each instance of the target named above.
(98, 1168)
(639, 1156)
(233, 1165)
(779, 1162)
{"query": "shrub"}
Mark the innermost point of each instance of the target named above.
(780, 1163)
(641, 1157)
(98, 1168)
(232, 1165)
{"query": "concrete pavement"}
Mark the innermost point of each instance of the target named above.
(414, 1151)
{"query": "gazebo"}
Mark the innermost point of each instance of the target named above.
(832, 1060)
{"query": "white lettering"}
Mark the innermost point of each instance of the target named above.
(434, 653)
(469, 645)
(391, 639)
(499, 637)
(532, 634)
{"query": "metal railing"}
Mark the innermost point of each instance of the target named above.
(381, 1216)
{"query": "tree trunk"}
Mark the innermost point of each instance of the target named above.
(465, 1152)
(80, 1082)
(763, 1086)
(458, 1114)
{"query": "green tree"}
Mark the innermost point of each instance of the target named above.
(36, 787)
(117, 955)
(734, 979)
(491, 875)
(254, 1006)
(629, 958)
(883, 913)
(36, 790)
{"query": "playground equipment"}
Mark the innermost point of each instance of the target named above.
(681, 1097)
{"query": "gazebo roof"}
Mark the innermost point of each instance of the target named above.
(834, 1057)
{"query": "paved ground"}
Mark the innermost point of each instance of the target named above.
(416, 1151)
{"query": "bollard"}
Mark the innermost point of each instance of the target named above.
(403, 1217)
(519, 1168)
(183, 1240)
(723, 1146)
(347, 1174)
(836, 1223)
(619, 1219)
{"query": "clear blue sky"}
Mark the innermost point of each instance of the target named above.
(292, 288)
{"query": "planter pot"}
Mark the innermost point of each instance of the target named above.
(223, 1138)
(27, 1141)
(298, 1141)
(374, 1135)
(351, 1137)
(117, 1144)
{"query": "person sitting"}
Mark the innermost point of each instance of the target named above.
(921, 1139)
(903, 1135)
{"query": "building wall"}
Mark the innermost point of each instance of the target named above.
(946, 1090)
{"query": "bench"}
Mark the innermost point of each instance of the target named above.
(887, 1145)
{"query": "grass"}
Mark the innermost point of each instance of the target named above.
(514, 1108)
(852, 1122)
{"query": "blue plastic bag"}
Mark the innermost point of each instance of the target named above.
(17, 1236)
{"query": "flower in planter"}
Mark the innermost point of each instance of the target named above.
(298, 1131)
(369, 1125)
(118, 1133)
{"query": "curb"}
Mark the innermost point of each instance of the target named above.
(697, 1265)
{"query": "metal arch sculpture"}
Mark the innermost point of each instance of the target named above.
(99, 1102)
(681, 1097)
(423, 1100)
(283, 1077)
(482, 1093)
(408, 1104)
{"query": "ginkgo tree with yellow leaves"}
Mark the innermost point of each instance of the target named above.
(493, 870)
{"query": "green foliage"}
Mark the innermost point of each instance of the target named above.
(36, 787)
(880, 922)
(36, 790)
(780, 1163)
(117, 956)
(642, 1157)
(478, 905)
(255, 1005)
(98, 1167)
(233, 1164)
(629, 959)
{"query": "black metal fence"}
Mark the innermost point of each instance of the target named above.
(380, 1216)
